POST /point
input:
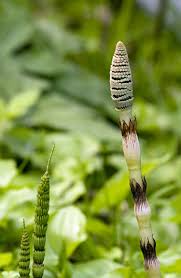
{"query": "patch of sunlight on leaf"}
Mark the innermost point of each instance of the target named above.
(171, 275)
(65, 193)
(97, 268)
(72, 169)
(116, 160)
(20, 104)
(51, 258)
(74, 145)
(115, 253)
(12, 203)
(170, 260)
(167, 225)
(150, 118)
(29, 179)
(167, 173)
(5, 259)
(10, 274)
(50, 273)
(68, 224)
(7, 171)
(173, 268)
(149, 166)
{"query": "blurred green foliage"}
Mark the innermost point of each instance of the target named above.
(55, 58)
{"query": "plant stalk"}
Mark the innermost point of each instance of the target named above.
(41, 222)
(24, 261)
(122, 95)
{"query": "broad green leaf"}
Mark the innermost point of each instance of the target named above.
(172, 276)
(68, 225)
(163, 147)
(97, 227)
(149, 166)
(123, 272)
(146, 112)
(65, 114)
(54, 36)
(30, 180)
(16, 27)
(113, 192)
(51, 258)
(167, 173)
(97, 91)
(20, 104)
(44, 61)
(25, 143)
(82, 147)
(97, 268)
(66, 192)
(5, 259)
(171, 260)
(72, 169)
(7, 172)
(117, 187)
(17, 203)
(18, 81)
(115, 253)
(176, 204)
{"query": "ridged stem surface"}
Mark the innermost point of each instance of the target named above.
(41, 223)
(122, 95)
(24, 260)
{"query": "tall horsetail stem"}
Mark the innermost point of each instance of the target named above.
(122, 95)
(41, 223)
(24, 261)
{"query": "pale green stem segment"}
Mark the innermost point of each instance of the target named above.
(142, 209)
(122, 95)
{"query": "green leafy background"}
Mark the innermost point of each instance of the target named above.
(54, 88)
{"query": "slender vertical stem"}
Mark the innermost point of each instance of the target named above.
(24, 261)
(122, 95)
(41, 222)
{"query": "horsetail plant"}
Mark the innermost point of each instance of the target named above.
(41, 222)
(24, 261)
(122, 95)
